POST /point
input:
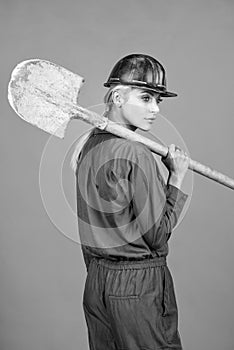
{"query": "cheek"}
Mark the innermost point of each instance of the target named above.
(134, 110)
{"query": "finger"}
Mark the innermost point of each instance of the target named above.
(180, 151)
(170, 148)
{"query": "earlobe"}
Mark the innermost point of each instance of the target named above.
(119, 104)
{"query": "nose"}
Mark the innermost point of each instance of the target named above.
(154, 106)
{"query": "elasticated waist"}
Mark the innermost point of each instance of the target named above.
(129, 264)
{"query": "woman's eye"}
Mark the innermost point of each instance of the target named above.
(159, 100)
(146, 98)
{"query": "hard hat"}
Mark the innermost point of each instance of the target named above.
(142, 71)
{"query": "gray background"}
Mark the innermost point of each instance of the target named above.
(42, 271)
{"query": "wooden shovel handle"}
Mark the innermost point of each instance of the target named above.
(116, 129)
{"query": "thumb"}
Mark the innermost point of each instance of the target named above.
(171, 149)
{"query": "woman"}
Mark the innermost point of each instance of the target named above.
(126, 214)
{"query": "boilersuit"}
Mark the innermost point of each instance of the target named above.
(126, 215)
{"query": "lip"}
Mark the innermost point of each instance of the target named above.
(150, 119)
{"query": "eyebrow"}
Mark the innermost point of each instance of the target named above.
(149, 92)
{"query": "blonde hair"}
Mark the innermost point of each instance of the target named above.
(108, 100)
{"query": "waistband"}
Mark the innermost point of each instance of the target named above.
(129, 264)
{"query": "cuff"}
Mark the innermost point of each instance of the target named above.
(175, 195)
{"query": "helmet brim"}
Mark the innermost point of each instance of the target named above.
(162, 93)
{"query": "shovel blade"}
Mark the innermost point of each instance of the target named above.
(43, 93)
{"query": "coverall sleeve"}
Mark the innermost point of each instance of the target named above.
(156, 206)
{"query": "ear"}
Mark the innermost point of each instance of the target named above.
(117, 98)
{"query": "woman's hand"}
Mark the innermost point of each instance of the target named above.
(177, 162)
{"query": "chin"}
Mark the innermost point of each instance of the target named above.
(145, 128)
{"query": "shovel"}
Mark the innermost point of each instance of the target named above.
(46, 95)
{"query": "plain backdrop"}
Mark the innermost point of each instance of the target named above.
(42, 271)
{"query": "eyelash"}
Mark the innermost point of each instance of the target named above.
(159, 100)
(146, 98)
(149, 98)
